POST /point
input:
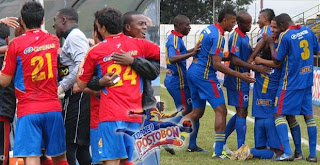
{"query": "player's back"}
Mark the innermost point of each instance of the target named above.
(297, 46)
(212, 43)
(36, 71)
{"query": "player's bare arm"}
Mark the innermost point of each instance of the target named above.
(3, 49)
(4, 80)
(260, 45)
(238, 62)
(226, 70)
(179, 58)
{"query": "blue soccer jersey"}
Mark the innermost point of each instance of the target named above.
(266, 29)
(176, 72)
(264, 92)
(296, 48)
(212, 43)
(240, 47)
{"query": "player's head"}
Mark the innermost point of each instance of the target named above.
(265, 17)
(4, 32)
(244, 20)
(97, 37)
(109, 21)
(160, 106)
(32, 14)
(182, 24)
(274, 29)
(64, 20)
(18, 31)
(283, 21)
(135, 24)
(227, 19)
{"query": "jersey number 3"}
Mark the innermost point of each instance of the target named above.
(306, 52)
(38, 61)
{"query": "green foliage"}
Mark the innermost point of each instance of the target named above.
(198, 11)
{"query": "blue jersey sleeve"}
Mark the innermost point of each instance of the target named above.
(265, 29)
(234, 46)
(283, 48)
(315, 43)
(218, 43)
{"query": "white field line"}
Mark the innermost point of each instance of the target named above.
(250, 119)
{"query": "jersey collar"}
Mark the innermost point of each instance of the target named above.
(115, 36)
(69, 31)
(294, 27)
(240, 32)
(220, 28)
(176, 33)
(33, 30)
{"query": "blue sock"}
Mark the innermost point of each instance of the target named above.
(312, 133)
(220, 138)
(241, 127)
(194, 134)
(262, 154)
(175, 120)
(282, 129)
(231, 125)
(296, 135)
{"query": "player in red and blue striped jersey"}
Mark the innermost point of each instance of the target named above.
(176, 76)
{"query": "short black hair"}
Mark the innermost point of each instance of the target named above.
(95, 29)
(111, 19)
(4, 31)
(240, 15)
(127, 17)
(224, 12)
(178, 19)
(32, 14)
(269, 13)
(69, 13)
(283, 20)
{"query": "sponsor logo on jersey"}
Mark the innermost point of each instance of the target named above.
(299, 35)
(28, 50)
(306, 69)
(264, 102)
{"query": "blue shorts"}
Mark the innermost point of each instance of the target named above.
(238, 98)
(33, 129)
(265, 133)
(263, 103)
(294, 102)
(181, 97)
(205, 89)
(113, 145)
(94, 141)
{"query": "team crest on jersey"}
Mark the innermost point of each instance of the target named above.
(28, 50)
(246, 98)
(108, 58)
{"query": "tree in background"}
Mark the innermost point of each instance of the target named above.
(198, 11)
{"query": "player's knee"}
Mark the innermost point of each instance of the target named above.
(242, 112)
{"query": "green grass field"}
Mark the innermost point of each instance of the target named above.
(206, 138)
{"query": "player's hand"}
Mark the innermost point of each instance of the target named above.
(123, 58)
(10, 21)
(258, 60)
(75, 88)
(107, 79)
(61, 93)
(269, 40)
(246, 77)
(196, 48)
(131, 112)
(263, 69)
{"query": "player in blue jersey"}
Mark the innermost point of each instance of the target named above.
(237, 89)
(202, 79)
(297, 44)
(176, 76)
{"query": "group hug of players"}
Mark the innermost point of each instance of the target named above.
(113, 67)
(283, 65)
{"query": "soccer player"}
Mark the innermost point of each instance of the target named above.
(237, 89)
(204, 85)
(76, 105)
(116, 101)
(32, 59)
(297, 44)
(7, 102)
(176, 76)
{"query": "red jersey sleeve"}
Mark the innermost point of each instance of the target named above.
(10, 61)
(89, 66)
(150, 50)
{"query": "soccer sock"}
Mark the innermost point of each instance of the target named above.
(241, 127)
(282, 129)
(194, 134)
(230, 126)
(62, 162)
(175, 120)
(312, 133)
(262, 154)
(220, 139)
(296, 135)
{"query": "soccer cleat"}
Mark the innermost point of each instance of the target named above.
(225, 148)
(312, 159)
(185, 129)
(223, 155)
(197, 149)
(243, 153)
(298, 156)
(284, 157)
(170, 150)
